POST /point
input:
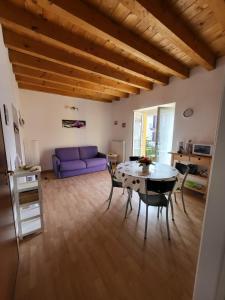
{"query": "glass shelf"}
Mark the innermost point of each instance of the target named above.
(31, 226)
(29, 211)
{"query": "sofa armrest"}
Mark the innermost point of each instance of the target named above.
(101, 155)
(56, 165)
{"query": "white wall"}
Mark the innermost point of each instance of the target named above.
(212, 248)
(43, 114)
(8, 96)
(201, 92)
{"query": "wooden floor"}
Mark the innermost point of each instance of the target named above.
(87, 252)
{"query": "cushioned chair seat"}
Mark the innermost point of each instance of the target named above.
(93, 162)
(153, 199)
(72, 165)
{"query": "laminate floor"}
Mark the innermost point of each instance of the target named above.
(87, 252)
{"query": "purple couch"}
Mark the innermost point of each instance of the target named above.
(77, 160)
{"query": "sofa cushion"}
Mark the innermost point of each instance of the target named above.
(67, 154)
(94, 162)
(88, 152)
(72, 165)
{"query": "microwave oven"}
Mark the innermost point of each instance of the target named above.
(202, 149)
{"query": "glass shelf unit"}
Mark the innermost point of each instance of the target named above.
(28, 199)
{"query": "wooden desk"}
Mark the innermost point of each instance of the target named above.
(203, 163)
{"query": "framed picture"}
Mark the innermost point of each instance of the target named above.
(123, 125)
(115, 122)
(6, 114)
(73, 123)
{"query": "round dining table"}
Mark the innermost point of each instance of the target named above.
(132, 175)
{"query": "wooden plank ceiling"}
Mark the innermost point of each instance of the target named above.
(105, 50)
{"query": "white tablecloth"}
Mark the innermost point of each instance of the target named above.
(131, 175)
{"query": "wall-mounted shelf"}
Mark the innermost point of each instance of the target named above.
(28, 199)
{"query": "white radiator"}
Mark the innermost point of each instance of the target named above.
(118, 147)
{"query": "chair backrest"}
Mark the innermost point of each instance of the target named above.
(184, 170)
(160, 186)
(134, 158)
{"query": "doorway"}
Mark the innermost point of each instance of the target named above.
(153, 132)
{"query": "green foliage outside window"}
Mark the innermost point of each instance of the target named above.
(150, 148)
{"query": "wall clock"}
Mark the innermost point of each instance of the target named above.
(188, 112)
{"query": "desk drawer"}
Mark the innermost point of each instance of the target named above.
(181, 157)
(202, 161)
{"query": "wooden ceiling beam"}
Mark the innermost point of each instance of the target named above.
(160, 13)
(23, 21)
(36, 63)
(59, 86)
(39, 49)
(28, 72)
(37, 88)
(90, 19)
(218, 8)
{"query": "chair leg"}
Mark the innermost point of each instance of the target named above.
(139, 208)
(171, 203)
(131, 204)
(131, 195)
(167, 223)
(110, 194)
(123, 190)
(175, 197)
(146, 222)
(158, 212)
(128, 202)
(182, 197)
(110, 197)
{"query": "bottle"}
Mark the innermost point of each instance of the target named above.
(180, 147)
(188, 147)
